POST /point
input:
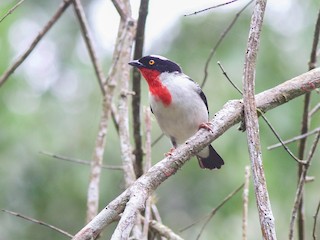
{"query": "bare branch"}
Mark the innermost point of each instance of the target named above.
(86, 35)
(122, 8)
(136, 86)
(245, 198)
(209, 8)
(39, 222)
(223, 35)
(300, 188)
(63, 6)
(11, 10)
(124, 135)
(213, 211)
(314, 110)
(227, 77)
(164, 230)
(305, 127)
(228, 116)
(74, 160)
(294, 139)
(252, 124)
(123, 43)
(315, 222)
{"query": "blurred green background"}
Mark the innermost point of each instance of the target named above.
(52, 103)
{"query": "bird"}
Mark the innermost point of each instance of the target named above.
(178, 104)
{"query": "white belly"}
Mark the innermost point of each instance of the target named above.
(182, 118)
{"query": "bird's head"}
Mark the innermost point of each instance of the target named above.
(153, 65)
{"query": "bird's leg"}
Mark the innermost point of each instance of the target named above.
(174, 143)
(168, 154)
(207, 126)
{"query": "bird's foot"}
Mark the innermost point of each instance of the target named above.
(168, 154)
(207, 126)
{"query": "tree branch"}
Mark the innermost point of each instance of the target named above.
(228, 116)
(11, 10)
(63, 6)
(136, 87)
(300, 188)
(252, 124)
(245, 198)
(123, 43)
(86, 35)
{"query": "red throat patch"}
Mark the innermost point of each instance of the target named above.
(156, 88)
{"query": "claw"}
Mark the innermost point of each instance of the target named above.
(207, 126)
(168, 154)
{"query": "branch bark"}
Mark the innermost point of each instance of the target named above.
(252, 124)
(123, 44)
(136, 87)
(228, 116)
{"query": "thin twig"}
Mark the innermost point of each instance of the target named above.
(209, 216)
(245, 198)
(74, 160)
(39, 222)
(314, 110)
(115, 117)
(209, 8)
(300, 161)
(314, 234)
(227, 77)
(92, 52)
(264, 118)
(157, 139)
(214, 211)
(300, 187)
(294, 139)
(223, 35)
(11, 10)
(63, 6)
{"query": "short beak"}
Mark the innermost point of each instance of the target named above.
(136, 63)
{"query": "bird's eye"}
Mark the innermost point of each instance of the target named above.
(151, 62)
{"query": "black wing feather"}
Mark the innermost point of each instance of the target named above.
(201, 94)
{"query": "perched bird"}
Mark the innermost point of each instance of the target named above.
(178, 104)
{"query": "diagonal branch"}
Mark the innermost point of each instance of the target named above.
(63, 6)
(86, 35)
(228, 116)
(39, 222)
(11, 10)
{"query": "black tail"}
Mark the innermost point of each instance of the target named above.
(212, 161)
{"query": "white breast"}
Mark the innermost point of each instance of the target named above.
(182, 118)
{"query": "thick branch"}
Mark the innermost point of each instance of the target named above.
(228, 116)
(123, 43)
